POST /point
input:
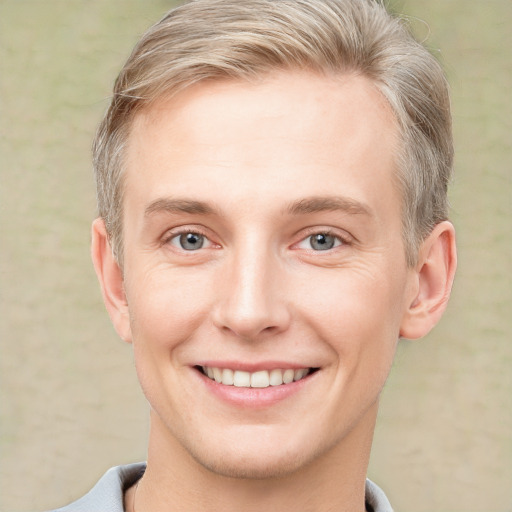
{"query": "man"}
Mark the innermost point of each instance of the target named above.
(272, 182)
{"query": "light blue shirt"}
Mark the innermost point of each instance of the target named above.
(107, 494)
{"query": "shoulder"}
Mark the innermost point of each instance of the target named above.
(107, 494)
(375, 499)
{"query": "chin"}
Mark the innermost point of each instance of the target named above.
(256, 454)
(252, 467)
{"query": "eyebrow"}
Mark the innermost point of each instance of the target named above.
(179, 206)
(317, 204)
(303, 206)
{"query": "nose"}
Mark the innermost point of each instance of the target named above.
(252, 299)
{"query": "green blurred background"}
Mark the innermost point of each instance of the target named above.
(70, 406)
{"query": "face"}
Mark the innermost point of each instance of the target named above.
(264, 267)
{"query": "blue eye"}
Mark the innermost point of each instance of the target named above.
(322, 241)
(189, 241)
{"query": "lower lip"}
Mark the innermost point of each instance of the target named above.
(254, 398)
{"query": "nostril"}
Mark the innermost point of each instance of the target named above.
(248, 330)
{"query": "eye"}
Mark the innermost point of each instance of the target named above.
(320, 242)
(190, 241)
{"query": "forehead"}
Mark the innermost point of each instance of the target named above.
(291, 133)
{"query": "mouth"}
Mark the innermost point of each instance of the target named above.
(259, 379)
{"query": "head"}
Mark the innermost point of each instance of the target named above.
(274, 187)
(219, 39)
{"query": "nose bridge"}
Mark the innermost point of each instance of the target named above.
(252, 301)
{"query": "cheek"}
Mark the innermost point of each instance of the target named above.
(166, 307)
(353, 310)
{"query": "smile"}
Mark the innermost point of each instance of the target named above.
(259, 379)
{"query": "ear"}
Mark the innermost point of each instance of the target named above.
(111, 280)
(433, 274)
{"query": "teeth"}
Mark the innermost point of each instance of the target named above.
(227, 377)
(217, 374)
(288, 376)
(259, 379)
(242, 379)
(299, 374)
(276, 377)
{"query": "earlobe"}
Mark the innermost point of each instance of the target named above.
(111, 280)
(434, 274)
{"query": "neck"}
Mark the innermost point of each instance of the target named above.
(333, 481)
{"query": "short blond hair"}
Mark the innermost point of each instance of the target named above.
(243, 39)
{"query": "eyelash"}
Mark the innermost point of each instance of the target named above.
(343, 240)
(170, 236)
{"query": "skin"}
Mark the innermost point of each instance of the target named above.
(257, 169)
